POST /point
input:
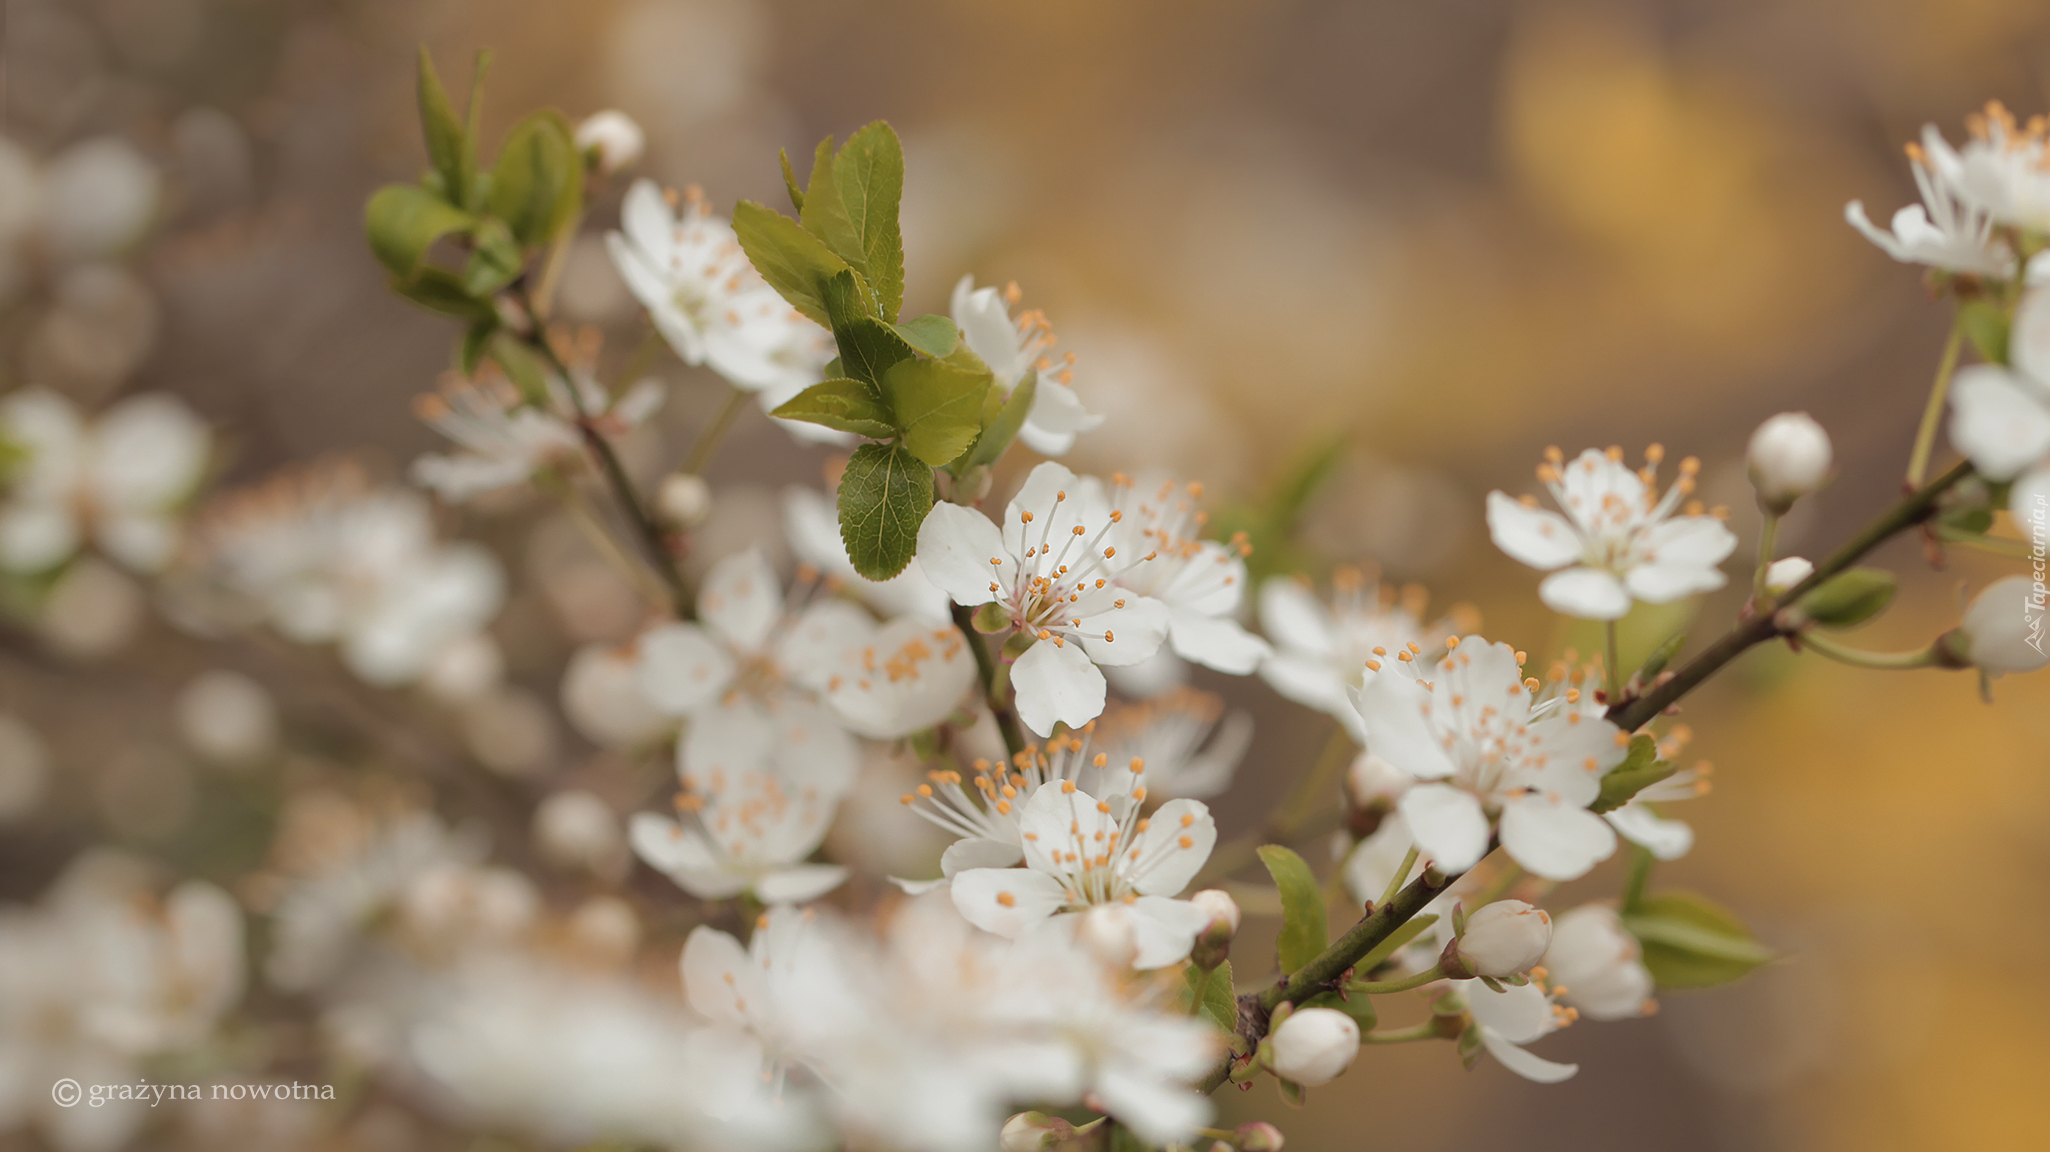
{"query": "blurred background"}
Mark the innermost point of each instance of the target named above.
(1441, 235)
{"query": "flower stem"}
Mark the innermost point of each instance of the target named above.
(1401, 874)
(1428, 1030)
(1436, 972)
(1860, 658)
(1932, 415)
(1768, 537)
(701, 452)
(986, 668)
(1501, 883)
(1614, 678)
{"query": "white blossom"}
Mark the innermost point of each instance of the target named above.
(1595, 965)
(1789, 457)
(613, 138)
(1484, 754)
(1322, 648)
(1782, 574)
(1315, 1046)
(1200, 581)
(2004, 627)
(1053, 570)
(118, 480)
(711, 305)
(1999, 171)
(506, 441)
(1012, 349)
(1081, 852)
(1513, 1017)
(902, 677)
(1618, 540)
(2000, 414)
(1184, 742)
(1505, 938)
(1948, 229)
(742, 832)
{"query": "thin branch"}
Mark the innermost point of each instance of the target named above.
(986, 668)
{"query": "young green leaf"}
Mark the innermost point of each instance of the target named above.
(790, 181)
(868, 348)
(1986, 326)
(1690, 942)
(848, 405)
(938, 404)
(537, 186)
(444, 132)
(439, 290)
(869, 170)
(1850, 597)
(824, 215)
(884, 496)
(935, 336)
(522, 367)
(1303, 931)
(793, 261)
(1001, 420)
(476, 341)
(1219, 1006)
(495, 258)
(1641, 768)
(404, 220)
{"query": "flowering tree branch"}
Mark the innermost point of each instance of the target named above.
(986, 670)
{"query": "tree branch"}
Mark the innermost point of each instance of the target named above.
(986, 668)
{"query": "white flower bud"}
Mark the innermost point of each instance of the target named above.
(1033, 1132)
(1371, 779)
(684, 500)
(1219, 906)
(1789, 457)
(227, 718)
(1315, 1045)
(614, 136)
(1787, 572)
(1594, 965)
(1505, 938)
(2004, 629)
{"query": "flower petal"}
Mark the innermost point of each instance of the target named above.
(1554, 839)
(1394, 710)
(1524, 1064)
(977, 852)
(1007, 901)
(1056, 683)
(1164, 930)
(741, 601)
(1998, 420)
(1292, 615)
(964, 554)
(719, 977)
(1125, 635)
(1666, 839)
(1216, 642)
(724, 741)
(1173, 848)
(1538, 537)
(681, 668)
(1449, 826)
(1586, 593)
(799, 883)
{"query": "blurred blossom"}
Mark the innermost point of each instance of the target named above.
(93, 611)
(98, 197)
(511, 731)
(602, 698)
(577, 829)
(24, 768)
(466, 668)
(228, 718)
(605, 929)
(118, 480)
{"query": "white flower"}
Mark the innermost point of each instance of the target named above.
(1513, 1017)
(1483, 753)
(1052, 569)
(1322, 649)
(228, 718)
(1184, 742)
(1200, 581)
(1618, 539)
(1789, 456)
(1012, 350)
(602, 697)
(2000, 415)
(119, 480)
(746, 832)
(1636, 819)
(1594, 965)
(1081, 852)
(2003, 628)
(711, 305)
(1947, 230)
(1315, 1045)
(812, 525)
(901, 678)
(1782, 574)
(749, 679)
(613, 137)
(1505, 938)
(2000, 171)
(328, 557)
(989, 819)
(506, 441)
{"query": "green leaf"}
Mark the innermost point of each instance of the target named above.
(444, 132)
(1219, 1006)
(824, 215)
(868, 348)
(793, 261)
(1396, 940)
(884, 496)
(869, 170)
(1001, 420)
(1850, 597)
(495, 258)
(1661, 656)
(1986, 325)
(439, 290)
(790, 181)
(537, 186)
(404, 220)
(938, 404)
(476, 340)
(1691, 942)
(1636, 874)
(849, 405)
(1360, 1008)
(1640, 769)
(1303, 931)
(522, 367)
(933, 335)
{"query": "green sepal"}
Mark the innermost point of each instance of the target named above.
(1470, 1047)
(1689, 941)
(1986, 325)
(1304, 933)
(1219, 1006)
(537, 185)
(933, 335)
(1850, 597)
(1292, 1094)
(790, 181)
(1360, 1008)
(794, 262)
(885, 493)
(403, 221)
(1640, 769)
(848, 405)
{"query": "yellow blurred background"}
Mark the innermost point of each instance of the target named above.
(1456, 232)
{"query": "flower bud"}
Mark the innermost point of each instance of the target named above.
(1314, 1046)
(1372, 780)
(1106, 930)
(1213, 943)
(1789, 458)
(1505, 938)
(1258, 1136)
(684, 500)
(2004, 628)
(611, 139)
(1033, 1132)
(1787, 572)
